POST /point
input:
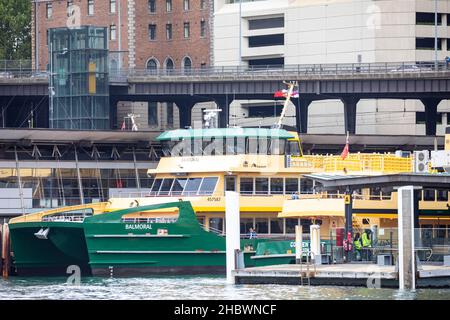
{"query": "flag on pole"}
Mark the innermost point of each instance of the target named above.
(283, 94)
(345, 152)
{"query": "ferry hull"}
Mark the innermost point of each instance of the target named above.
(64, 246)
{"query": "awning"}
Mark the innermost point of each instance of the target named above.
(224, 133)
(302, 208)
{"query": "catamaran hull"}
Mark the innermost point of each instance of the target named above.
(63, 246)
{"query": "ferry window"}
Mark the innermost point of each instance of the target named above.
(252, 146)
(262, 225)
(277, 146)
(201, 220)
(306, 223)
(276, 226)
(208, 186)
(230, 146)
(216, 224)
(246, 224)
(230, 183)
(240, 145)
(291, 185)
(293, 148)
(428, 195)
(306, 186)
(442, 195)
(262, 185)
(290, 225)
(156, 186)
(178, 186)
(192, 186)
(276, 185)
(246, 185)
(165, 187)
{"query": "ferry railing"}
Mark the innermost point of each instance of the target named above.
(384, 163)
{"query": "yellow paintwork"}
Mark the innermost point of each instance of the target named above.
(305, 208)
(97, 208)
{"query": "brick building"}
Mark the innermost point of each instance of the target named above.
(142, 33)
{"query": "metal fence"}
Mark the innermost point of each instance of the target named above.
(23, 68)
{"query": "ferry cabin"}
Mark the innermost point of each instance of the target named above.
(266, 167)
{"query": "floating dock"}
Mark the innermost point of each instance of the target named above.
(368, 275)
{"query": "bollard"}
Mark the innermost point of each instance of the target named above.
(5, 251)
(315, 243)
(232, 227)
(298, 244)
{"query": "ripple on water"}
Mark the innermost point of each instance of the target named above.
(193, 288)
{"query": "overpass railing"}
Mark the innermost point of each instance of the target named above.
(23, 69)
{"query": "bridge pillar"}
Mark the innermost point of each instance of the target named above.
(185, 110)
(224, 104)
(301, 114)
(430, 115)
(350, 114)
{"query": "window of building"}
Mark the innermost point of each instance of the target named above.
(261, 185)
(169, 5)
(264, 63)
(69, 8)
(246, 185)
(169, 31)
(428, 18)
(152, 6)
(186, 29)
(90, 7)
(291, 185)
(266, 40)
(152, 31)
(276, 186)
(267, 23)
(152, 65)
(187, 63)
(153, 114)
(169, 64)
(202, 4)
(276, 226)
(49, 10)
(427, 43)
(112, 6)
(246, 224)
(186, 5)
(112, 33)
(170, 114)
(290, 225)
(202, 28)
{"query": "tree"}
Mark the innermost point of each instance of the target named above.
(15, 29)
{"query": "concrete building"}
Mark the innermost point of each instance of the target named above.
(142, 34)
(290, 32)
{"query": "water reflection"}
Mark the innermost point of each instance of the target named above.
(205, 288)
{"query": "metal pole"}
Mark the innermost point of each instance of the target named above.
(80, 185)
(435, 35)
(240, 32)
(136, 172)
(51, 84)
(19, 181)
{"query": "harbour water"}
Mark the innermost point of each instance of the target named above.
(193, 288)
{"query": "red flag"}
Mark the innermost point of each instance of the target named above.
(345, 152)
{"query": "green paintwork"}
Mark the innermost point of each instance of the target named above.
(187, 248)
(179, 134)
(64, 246)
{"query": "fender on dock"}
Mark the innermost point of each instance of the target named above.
(6, 253)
